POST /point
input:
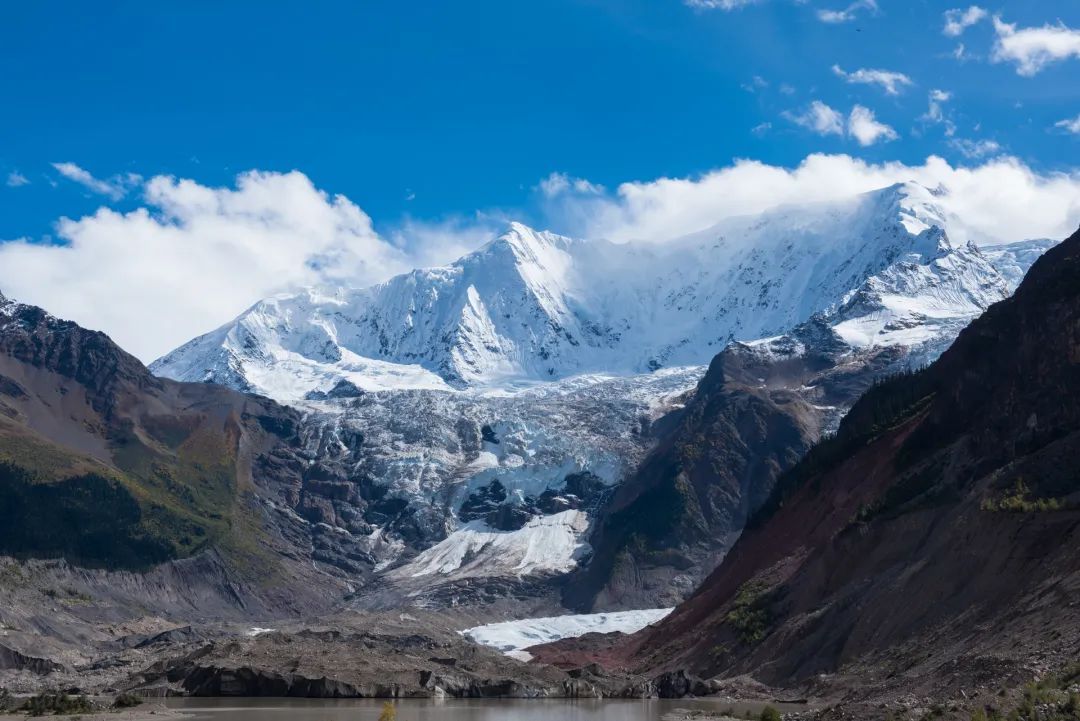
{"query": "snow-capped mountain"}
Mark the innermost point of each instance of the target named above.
(537, 306)
(483, 412)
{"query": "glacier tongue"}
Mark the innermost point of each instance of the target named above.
(513, 637)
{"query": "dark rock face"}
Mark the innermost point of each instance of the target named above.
(483, 503)
(678, 684)
(936, 532)
(753, 416)
(492, 504)
(10, 659)
(342, 389)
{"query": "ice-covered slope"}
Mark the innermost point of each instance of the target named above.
(468, 425)
(534, 306)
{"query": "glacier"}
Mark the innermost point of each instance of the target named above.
(513, 637)
(469, 421)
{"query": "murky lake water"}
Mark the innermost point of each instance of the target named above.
(258, 709)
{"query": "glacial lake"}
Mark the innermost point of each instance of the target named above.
(263, 709)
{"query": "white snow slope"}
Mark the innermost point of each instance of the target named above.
(512, 637)
(534, 306)
(546, 544)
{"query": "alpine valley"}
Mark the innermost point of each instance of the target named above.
(376, 491)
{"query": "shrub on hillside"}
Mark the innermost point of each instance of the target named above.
(127, 700)
(57, 703)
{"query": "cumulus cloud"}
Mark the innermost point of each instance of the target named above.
(1032, 49)
(195, 256)
(115, 187)
(1000, 200)
(818, 118)
(859, 124)
(1069, 125)
(15, 179)
(558, 183)
(891, 82)
(959, 20)
(864, 127)
(847, 14)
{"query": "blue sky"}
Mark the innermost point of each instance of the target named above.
(466, 105)
(439, 120)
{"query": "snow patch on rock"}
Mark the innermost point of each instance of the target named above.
(545, 545)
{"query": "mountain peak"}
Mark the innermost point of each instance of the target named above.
(526, 243)
(917, 207)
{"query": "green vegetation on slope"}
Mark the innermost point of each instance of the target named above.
(1020, 500)
(749, 614)
(153, 504)
(1053, 698)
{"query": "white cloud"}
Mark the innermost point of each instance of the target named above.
(1032, 49)
(428, 243)
(819, 118)
(719, 4)
(975, 149)
(960, 53)
(558, 183)
(15, 179)
(959, 20)
(864, 127)
(116, 187)
(892, 82)
(860, 123)
(761, 129)
(847, 14)
(1069, 125)
(935, 112)
(195, 256)
(1000, 200)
